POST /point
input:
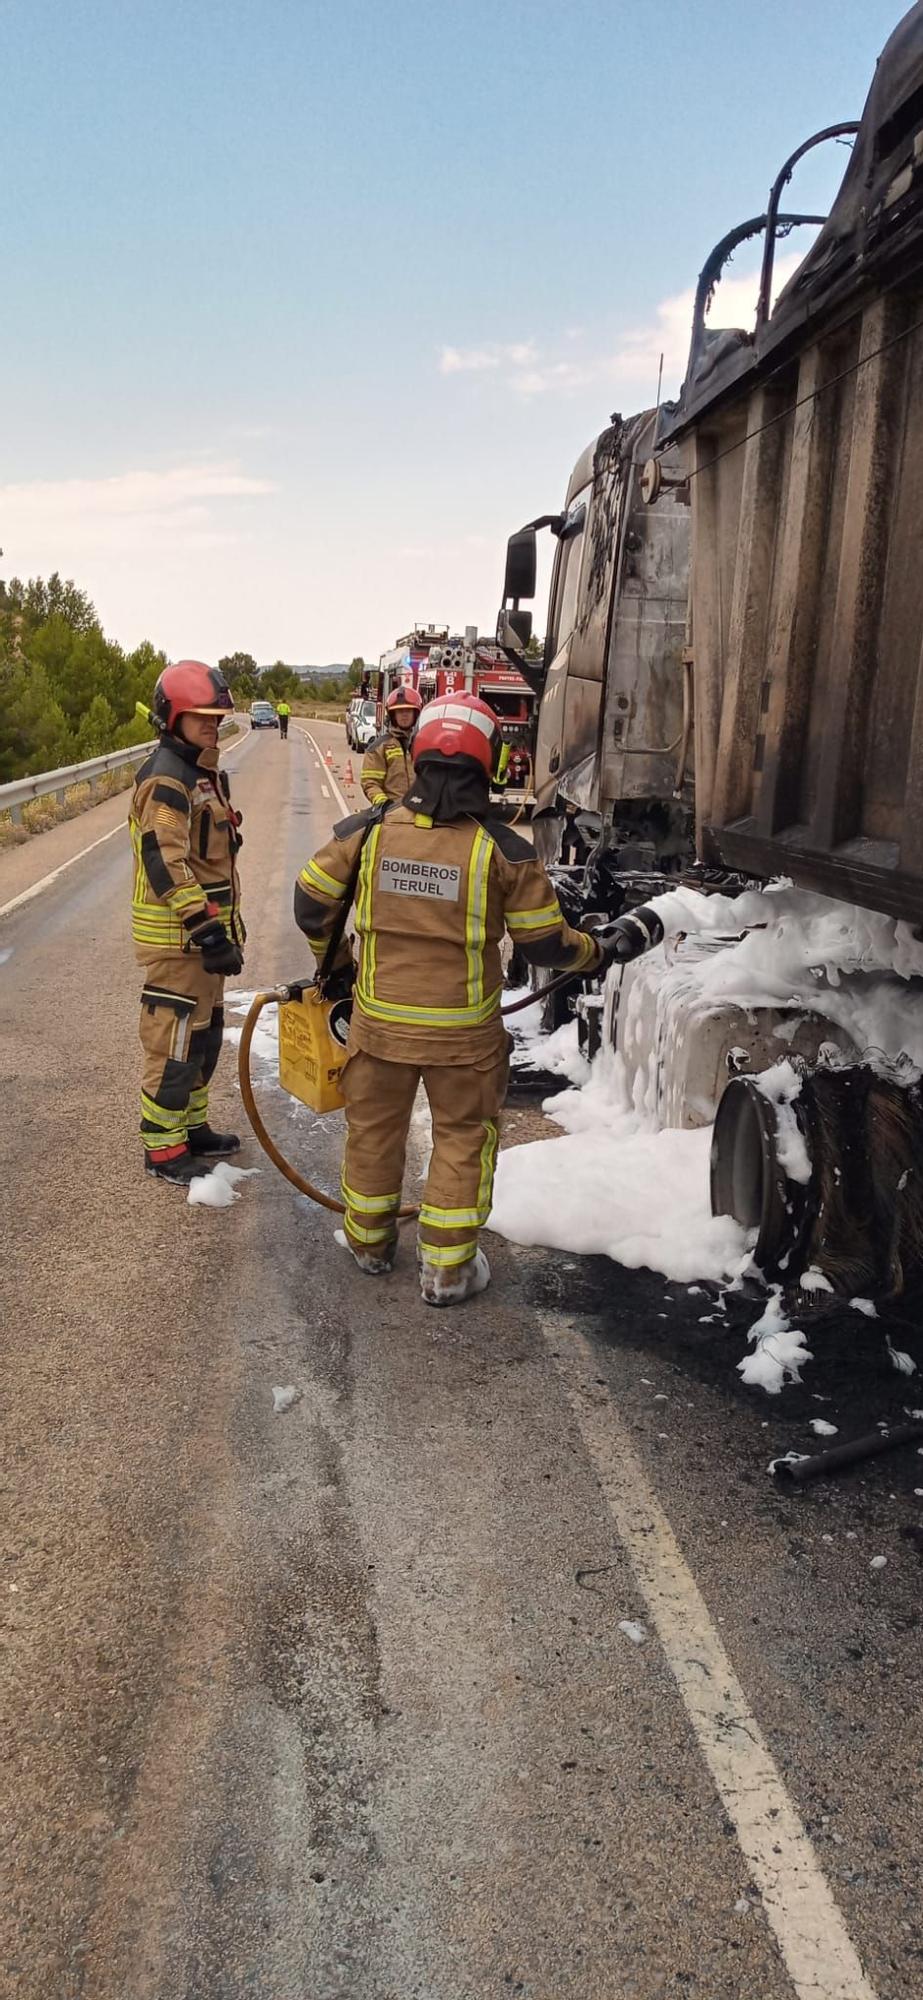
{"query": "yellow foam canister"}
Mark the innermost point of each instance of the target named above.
(312, 1049)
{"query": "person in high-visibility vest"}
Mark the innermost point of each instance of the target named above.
(283, 712)
(186, 923)
(387, 768)
(441, 878)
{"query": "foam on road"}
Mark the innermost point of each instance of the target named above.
(346, 1698)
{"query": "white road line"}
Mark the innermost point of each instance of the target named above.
(6, 909)
(324, 792)
(330, 777)
(819, 1954)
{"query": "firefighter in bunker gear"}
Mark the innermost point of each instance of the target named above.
(440, 880)
(387, 767)
(186, 925)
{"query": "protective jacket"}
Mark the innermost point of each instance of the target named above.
(185, 837)
(432, 904)
(387, 768)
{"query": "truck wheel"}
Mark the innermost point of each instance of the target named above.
(748, 1180)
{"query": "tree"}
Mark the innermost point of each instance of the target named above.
(141, 670)
(357, 671)
(79, 664)
(235, 664)
(39, 601)
(279, 683)
(97, 730)
(534, 648)
(139, 730)
(67, 692)
(33, 727)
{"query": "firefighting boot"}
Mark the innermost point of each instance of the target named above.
(176, 1164)
(202, 1140)
(372, 1263)
(443, 1286)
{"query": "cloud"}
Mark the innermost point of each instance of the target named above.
(454, 546)
(495, 354)
(519, 364)
(630, 369)
(185, 506)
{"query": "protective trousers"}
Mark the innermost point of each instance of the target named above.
(182, 1022)
(465, 1101)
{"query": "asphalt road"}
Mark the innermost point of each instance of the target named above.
(338, 1702)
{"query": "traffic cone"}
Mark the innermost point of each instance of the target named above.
(350, 780)
(328, 759)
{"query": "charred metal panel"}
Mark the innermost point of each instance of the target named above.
(646, 704)
(569, 716)
(612, 708)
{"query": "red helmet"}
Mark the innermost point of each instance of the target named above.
(190, 688)
(460, 725)
(404, 697)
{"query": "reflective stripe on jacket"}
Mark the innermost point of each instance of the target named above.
(432, 904)
(387, 769)
(184, 840)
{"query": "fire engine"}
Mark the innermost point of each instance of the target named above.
(436, 662)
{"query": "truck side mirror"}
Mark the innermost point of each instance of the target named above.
(514, 630)
(519, 577)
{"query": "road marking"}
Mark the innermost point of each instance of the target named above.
(6, 909)
(819, 1954)
(324, 792)
(317, 752)
(16, 903)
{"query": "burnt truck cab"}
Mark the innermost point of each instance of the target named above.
(614, 722)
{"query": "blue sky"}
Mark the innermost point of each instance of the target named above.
(307, 306)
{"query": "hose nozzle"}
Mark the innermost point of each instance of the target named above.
(638, 931)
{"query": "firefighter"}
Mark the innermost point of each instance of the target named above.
(186, 924)
(283, 712)
(387, 767)
(440, 878)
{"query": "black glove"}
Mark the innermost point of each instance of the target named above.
(629, 937)
(219, 952)
(339, 984)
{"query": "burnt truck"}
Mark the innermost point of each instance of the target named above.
(613, 744)
(613, 777)
(733, 673)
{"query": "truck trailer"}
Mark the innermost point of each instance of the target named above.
(732, 691)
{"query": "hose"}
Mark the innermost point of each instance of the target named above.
(797, 1471)
(278, 995)
(261, 1000)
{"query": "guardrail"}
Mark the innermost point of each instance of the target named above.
(54, 784)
